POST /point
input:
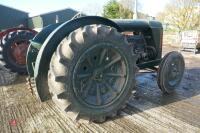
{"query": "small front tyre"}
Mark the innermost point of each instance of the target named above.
(170, 72)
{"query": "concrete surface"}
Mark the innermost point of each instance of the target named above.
(148, 111)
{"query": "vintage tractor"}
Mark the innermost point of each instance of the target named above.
(87, 66)
(14, 43)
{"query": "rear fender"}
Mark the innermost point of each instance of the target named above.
(35, 45)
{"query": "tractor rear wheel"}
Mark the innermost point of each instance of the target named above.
(13, 50)
(170, 72)
(92, 73)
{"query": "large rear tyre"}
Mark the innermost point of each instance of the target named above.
(13, 50)
(92, 73)
(170, 72)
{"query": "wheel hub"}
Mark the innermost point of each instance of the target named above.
(97, 75)
(100, 76)
(174, 73)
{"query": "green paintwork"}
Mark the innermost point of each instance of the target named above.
(35, 45)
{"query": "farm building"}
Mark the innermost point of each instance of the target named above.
(12, 17)
(45, 19)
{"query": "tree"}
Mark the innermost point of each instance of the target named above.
(181, 15)
(114, 9)
(129, 4)
(111, 9)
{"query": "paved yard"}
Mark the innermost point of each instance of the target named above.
(147, 111)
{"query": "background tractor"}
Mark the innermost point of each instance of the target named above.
(14, 43)
(87, 66)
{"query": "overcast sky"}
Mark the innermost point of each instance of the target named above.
(91, 7)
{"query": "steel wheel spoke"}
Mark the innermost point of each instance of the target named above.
(103, 53)
(89, 61)
(98, 95)
(115, 60)
(86, 90)
(85, 75)
(111, 90)
(115, 75)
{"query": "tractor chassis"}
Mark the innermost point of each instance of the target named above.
(45, 43)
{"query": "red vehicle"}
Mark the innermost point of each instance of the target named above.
(14, 43)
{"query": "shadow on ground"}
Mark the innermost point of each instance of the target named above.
(181, 103)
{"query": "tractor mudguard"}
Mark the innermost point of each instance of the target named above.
(50, 44)
(35, 45)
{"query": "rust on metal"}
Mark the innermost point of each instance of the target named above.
(18, 51)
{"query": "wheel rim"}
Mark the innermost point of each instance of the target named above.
(18, 52)
(100, 75)
(174, 74)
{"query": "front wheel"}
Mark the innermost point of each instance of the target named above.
(92, 73)
(170, 72)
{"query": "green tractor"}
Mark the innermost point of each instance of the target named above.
(87, 66)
